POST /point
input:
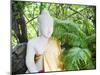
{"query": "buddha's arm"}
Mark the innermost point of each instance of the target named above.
(30, 63)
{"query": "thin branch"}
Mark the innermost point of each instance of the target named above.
(33, 14)
(31, 19)
(15, 36)
(49, 6)
(40, 7)
(76, 12)
(31, 23)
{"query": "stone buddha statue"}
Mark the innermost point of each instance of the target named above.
(43, 52)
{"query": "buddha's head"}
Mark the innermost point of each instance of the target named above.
(45, 24)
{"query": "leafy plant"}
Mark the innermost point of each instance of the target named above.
(76, 55)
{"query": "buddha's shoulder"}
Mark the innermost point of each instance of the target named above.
(33, 40)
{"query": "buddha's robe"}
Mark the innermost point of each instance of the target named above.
(51, 56)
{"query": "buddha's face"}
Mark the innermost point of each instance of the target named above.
(46, 31)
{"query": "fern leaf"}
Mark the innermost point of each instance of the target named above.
(77, 59)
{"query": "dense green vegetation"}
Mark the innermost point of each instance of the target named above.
(74, 27)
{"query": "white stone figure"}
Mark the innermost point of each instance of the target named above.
(36, 48)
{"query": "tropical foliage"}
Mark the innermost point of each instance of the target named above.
(74, 27)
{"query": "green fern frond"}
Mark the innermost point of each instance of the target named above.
(88, 27)
(91, 38)
(69, 38)
(69, 32)
(67, 25)
(77, 58)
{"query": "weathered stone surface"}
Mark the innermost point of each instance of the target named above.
(18, 59)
